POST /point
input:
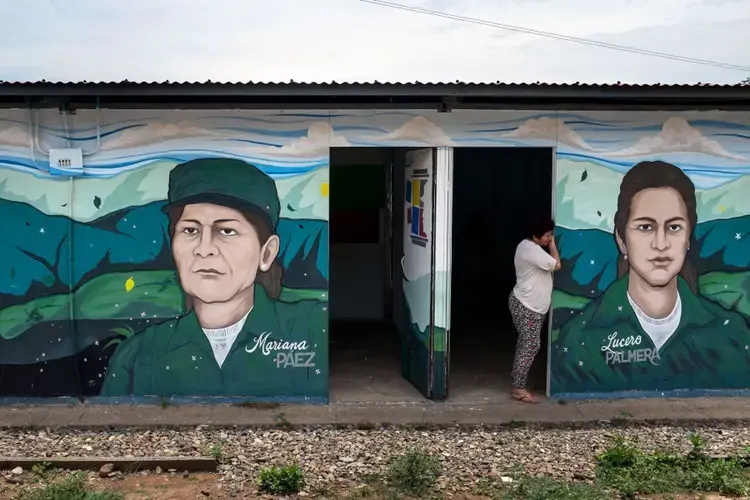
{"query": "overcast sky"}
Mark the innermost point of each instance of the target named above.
(347, 40)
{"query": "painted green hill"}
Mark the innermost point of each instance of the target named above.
(154, 294)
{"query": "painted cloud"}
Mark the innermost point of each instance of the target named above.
(14, 136)
(418, 129)
(677, 136)
(153, 133)
(549, 129)
(320, 136)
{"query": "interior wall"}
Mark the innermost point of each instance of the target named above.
(496, 191)
(358, 233)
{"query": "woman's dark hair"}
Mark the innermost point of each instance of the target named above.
(541, 225)
(656, 174)
(271, 279)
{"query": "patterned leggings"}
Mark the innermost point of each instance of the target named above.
(529, 326)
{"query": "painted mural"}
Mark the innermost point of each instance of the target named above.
(111, 281)
(189, 259)
(653, 225)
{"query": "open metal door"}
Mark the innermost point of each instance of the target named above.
(442, 270)
(418, 266)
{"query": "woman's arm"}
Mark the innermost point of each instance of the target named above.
(555, 254)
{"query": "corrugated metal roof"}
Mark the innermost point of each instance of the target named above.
(382, 83)
(328, 95)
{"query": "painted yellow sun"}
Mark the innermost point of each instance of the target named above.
(722, 208)
(324, 189)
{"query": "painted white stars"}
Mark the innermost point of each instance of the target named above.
(325, 308)
(195, 358)
(41, 370)
(85, 360)
(593, 262)
(747, 347)
(143, 314)
(583, 343)
(59, 339)
(117, 305)
(593, 292)
(133, 226)
(317, 372)
(154, 242)
(44, 354)
(114, 375)
(565, 349)
(100, 375)
(619, 308)
(96, 342)
(167, 367)
(726, 322)
(42, 230)
(580, 363)
(738, 236)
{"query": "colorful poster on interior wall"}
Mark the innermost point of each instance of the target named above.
(190, 259)
(653, 225)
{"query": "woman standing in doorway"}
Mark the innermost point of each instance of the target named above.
(530, 299)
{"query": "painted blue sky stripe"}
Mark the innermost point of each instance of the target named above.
(736, 136)
(523, 118)
(365, 128)
(93, 138)
(491, 130)
(296, 133)
(259, 143)
(253, 119)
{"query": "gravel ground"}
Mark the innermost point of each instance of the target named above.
(333, 458)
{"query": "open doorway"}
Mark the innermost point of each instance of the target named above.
(496, 191)
(365, 298)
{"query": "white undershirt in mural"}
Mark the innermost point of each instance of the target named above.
(658, 329)
(222, 339)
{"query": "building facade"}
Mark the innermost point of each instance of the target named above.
(98, 286)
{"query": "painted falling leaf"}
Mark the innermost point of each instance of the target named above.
(129, 284)
(598, 213)
(97, 202)
(584, 175)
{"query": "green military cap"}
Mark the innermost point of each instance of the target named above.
(227, 182)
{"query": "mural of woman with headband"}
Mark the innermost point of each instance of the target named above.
(651, 330)
(236, 338)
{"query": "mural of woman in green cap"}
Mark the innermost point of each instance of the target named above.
(651, 330)
(236, 338)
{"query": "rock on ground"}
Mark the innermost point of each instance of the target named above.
(333, 458)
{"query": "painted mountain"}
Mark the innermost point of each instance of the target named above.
(122, 271)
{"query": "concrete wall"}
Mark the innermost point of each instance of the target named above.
(89, 292)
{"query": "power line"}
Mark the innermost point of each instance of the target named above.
(557, 36)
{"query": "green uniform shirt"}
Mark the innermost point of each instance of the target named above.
(604, 348)
(174, 358)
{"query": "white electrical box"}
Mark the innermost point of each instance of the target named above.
(66, 161)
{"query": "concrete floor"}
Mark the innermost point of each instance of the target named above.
(365, 366)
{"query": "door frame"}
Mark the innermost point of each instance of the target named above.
(552, 304)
